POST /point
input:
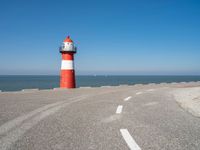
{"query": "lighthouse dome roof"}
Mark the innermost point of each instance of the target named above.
(68, 39)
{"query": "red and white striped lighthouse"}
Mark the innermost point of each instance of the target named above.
(67, 75)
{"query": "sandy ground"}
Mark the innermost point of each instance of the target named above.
(189, 99)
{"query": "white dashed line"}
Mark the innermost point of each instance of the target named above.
(150, 90)
(138, 93)
(126, 99)
(119, 109)
(129, 140)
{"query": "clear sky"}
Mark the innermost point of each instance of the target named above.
(126, 37)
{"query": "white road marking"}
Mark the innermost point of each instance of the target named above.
(150, 90)
(126, 99)
(151, 104)
(129, 140)
(14, 129)
(119, 109)
(138, 93)
(11, 137)
(17, 121)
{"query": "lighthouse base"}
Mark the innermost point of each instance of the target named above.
(67, 79)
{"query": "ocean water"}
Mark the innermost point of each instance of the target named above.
(19, 82)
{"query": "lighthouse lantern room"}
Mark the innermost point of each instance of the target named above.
(68, 46)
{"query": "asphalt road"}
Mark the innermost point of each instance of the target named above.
(107, 118)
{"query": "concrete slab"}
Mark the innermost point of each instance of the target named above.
(189, 99)
(29, 90)
(85, 87)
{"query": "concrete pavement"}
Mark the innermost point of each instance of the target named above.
(121, 118)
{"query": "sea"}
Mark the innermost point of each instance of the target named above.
(19, 82)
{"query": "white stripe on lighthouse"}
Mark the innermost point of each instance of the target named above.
(67, 65)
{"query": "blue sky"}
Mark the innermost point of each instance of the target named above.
(130, 37)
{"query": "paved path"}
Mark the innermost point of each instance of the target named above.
(107, 118)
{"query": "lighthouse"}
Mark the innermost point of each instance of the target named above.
(67, 74)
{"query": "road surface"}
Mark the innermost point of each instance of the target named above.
(105, 118)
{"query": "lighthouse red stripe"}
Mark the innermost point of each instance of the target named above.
(67, 79)
(67, 56)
